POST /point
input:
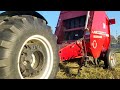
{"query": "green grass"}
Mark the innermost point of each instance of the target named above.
(92, 72)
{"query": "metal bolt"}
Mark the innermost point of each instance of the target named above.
(24, 62)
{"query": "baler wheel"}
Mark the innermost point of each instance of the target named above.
(110, 59)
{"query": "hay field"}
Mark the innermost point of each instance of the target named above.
(92, 72)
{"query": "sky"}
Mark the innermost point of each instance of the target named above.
(115, 28)
(52, 18)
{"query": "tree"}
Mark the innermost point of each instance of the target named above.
(119, 39)
(113, 40)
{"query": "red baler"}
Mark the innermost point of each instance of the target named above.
(85, 33)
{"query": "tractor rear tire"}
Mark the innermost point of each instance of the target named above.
(28, 49)
(110, 59)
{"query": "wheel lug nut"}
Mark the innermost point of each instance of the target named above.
(24, 62)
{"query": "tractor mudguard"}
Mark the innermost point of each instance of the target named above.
(33, 13)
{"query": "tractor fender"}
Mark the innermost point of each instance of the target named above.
(33, 13)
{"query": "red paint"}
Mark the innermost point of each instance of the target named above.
(98, 25)
(97, 39)
(60, 25)
(71, 51)
(112, 21)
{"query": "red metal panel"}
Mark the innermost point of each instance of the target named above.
(99, 36)
(72, 14)
(59, 32)
(107, 37)
(71, 51)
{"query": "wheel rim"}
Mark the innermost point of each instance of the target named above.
(112, 60)
(35, 59)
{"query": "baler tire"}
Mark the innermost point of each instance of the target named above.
(28, 48)
(110, 59)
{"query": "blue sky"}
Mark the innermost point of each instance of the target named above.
(52, 18)
(115, 28)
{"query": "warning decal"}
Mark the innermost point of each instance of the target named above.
(94, 44)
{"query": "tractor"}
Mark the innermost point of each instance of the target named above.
(29, 49)
(81, 34)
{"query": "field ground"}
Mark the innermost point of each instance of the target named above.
(91, 72)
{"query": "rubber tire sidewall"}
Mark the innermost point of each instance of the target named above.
(21, 38)
(107, 61)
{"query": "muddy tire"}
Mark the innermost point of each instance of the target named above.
(110, 59)
(28, 49)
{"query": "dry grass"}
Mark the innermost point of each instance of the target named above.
(92, 72)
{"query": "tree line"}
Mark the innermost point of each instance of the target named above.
(115, 40)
